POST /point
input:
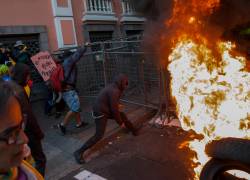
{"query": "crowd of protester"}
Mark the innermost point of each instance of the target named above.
(20, 134)
(15, 76)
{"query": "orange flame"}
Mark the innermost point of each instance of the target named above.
(214, 102)
(190, 15)
(211, 91)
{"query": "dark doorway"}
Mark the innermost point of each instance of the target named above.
(33, 47)
(133, 32)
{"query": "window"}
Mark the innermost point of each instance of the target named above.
(99, 36)
(133, 32)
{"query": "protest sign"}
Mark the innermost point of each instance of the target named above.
(44, 64)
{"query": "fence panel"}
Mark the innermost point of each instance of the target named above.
(90, 74)
(98, 69)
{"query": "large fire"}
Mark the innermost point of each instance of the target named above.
(213, 101)
(211, 90)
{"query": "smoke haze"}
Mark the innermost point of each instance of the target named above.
(229, 14)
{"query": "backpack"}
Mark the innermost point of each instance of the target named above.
(57, 78)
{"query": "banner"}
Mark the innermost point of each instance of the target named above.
(44, 64)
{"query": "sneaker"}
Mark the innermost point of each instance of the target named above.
(83, 124)
(62, 128)
(78, 157)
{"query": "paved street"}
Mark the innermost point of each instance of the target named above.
(59, 149)
(154, 154)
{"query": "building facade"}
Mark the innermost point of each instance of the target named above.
(53, 24)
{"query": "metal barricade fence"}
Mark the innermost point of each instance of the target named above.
(97, 69)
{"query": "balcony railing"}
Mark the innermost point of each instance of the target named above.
(102, 10)
(129, 13)
(99, 6)
(128, 8)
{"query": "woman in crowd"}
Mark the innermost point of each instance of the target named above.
(13, 141)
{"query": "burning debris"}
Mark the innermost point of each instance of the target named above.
(168, 121)
(209, 77)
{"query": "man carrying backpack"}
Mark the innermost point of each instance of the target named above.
(69, 93)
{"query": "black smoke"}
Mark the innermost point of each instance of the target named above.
(226, 22)
(156, 12)
(229, 14)
(153, 9)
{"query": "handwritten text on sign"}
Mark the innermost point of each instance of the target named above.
(44, 64)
